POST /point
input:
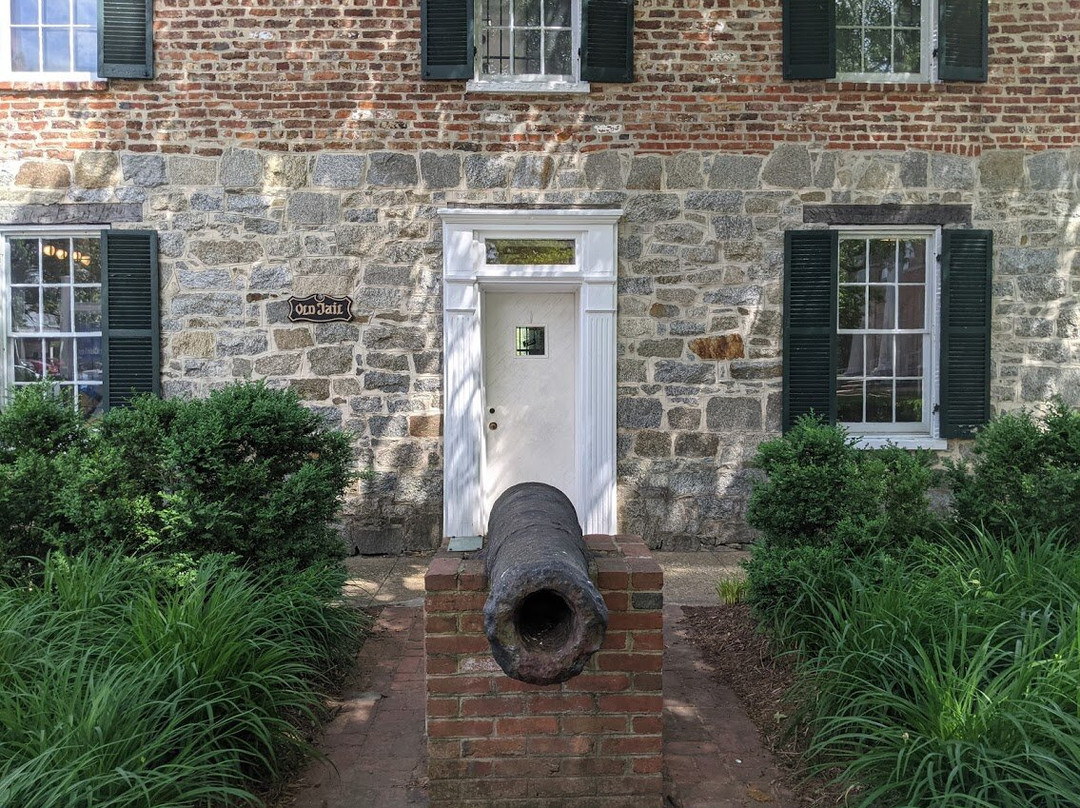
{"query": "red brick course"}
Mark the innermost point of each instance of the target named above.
(595, 740)
(346, 76)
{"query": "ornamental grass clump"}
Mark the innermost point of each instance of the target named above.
(120, 688)
(951, 679)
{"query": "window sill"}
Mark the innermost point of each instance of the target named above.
(902, 441)
(881, 83)
(54, 86)
(517, 87)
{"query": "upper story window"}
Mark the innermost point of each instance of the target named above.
(528, 44)
(49, 39)
(883, 39)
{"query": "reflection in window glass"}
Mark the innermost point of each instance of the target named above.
(525, 38)
(537, 251)
(879, 36)
(53, 36)
(529, 340)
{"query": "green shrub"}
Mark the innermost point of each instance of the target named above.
(120, 691)
(1024, 475)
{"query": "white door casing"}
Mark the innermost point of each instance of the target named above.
(529, 402)
(591, 278)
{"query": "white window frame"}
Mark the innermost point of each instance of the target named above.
(870, 437)
(33, 76)
(539, 83)
(928, 58)
(7, 359)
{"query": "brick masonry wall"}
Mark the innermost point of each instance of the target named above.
(595, 740)
(700, 293)
(272, 75)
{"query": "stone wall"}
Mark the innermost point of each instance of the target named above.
(700, 288)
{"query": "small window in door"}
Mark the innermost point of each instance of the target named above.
(535, 251)
(529, 340)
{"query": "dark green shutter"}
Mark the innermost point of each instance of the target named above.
(963, 48)
(966, 278)
(446, 39)
(810, 300)
(607, 40)
(809, 39)
(125, 39)
(131, 333)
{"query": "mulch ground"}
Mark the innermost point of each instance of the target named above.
(728, 639)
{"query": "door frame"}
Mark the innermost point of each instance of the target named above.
(465, 275)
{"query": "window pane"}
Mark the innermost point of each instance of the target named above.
(557, 12)
(29, 366)
(55, 314)
(56, 12)
(852, 261)
(526, 53)
(912, 306)
(557, 53)
(881, 311)
(909, 401)
(86, 12)
(88, 308)
(529, 340)
(24, 12)
(24, 260)
(848, 12)
(496, 60)
(852, 307)
(24, 309)
(89, 356)
(526, 12)
(530, 251)
(54, 260)
(909, 13)
(879, 359)
(25, 54)
(86, 50)
(60, 363)
(878, 50)
(913, 261)
(879, 402)
(56, 48)
(907, 51)
(882, 260)
(86, 258)
(850, 361)
(848, 50)
(909, 355)
(877, 12)
(849, 401)
(497, 12)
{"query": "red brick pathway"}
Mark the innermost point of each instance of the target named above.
(713, 757)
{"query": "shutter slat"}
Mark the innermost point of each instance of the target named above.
(809, 39)
(965, 330)
(446, 39)
(607, 40)
(810, 300)
(131, 333)
(125, 39)
(963, 41)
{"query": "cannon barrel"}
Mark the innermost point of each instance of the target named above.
(544, 617)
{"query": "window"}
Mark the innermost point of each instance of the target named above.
(80, 313)
(881, 336)
(51, 36)
(527, 45)
(886, 40)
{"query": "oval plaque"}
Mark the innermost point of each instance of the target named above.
(320, 309)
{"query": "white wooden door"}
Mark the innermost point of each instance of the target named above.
(530, 350)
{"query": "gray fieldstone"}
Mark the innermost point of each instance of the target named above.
(952, 173)
(220, 279)
(603, 170)
(631, 370)
(274, 276)
(440, 169)
(652, 443)
(311, 389)
(387, 361)
(207, 200)
(326, 333)
(684, 418)
(385, 336)
(729, 414)
(757, 369)
(914, 169)
(652, 208)
(824, 170)
(734, 171)
(1041, 289)
(214, 304)
(639, 413)
(486, 171)
(311, 208)
(1001, 170)
(736, 296)
(187, 171)
(330, 360)
(287, 170)
(241, 168)
(428, 362)
(668, 372)
(788, 167)
(252, 204)
(96, 169)
(143, 170)
(338, 170)
(392, 170)
(668, 348)
(290, 338)
(718, 201)
(1049, 171)
(381, 275)
(732, 228)
(1027, 261)
(646, 173)
(388, 426)
(684, 171)
(226, 251)
(696, 444)
(387, 382)
(171, 243)
(242, 343)
(532, 171)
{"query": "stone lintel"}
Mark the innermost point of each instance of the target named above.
(90, 213)
(887, 214)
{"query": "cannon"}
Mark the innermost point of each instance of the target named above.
(543, 617)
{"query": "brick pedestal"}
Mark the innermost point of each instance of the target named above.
(592, 742)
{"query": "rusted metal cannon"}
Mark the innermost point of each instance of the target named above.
(544, 617)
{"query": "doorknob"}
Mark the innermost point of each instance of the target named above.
(493, 426)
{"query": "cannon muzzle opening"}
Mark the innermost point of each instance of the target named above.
(544, 617)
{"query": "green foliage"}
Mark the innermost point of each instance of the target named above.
(247, 471)
(951, 678)
(1024, 475)
(732, 588)
(120, 690)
